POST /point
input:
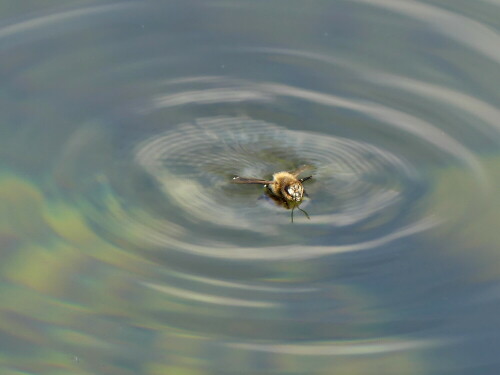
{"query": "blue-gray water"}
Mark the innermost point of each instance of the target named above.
(125, 249)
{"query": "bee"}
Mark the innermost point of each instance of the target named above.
(285, 189)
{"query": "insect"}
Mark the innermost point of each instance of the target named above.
(285, 189)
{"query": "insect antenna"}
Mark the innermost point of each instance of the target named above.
(305, 213)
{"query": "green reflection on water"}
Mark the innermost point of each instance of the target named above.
(72, 303)
(471, 217)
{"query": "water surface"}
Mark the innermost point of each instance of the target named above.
(126, 249)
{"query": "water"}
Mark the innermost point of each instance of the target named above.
(126, 250)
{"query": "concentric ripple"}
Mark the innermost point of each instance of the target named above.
(194, 163)
(127, 249)
(357, 187)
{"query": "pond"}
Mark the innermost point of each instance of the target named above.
(127, 249)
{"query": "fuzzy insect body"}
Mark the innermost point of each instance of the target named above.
(286, 188)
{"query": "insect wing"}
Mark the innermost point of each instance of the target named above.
(243, 180)
(301, 169)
